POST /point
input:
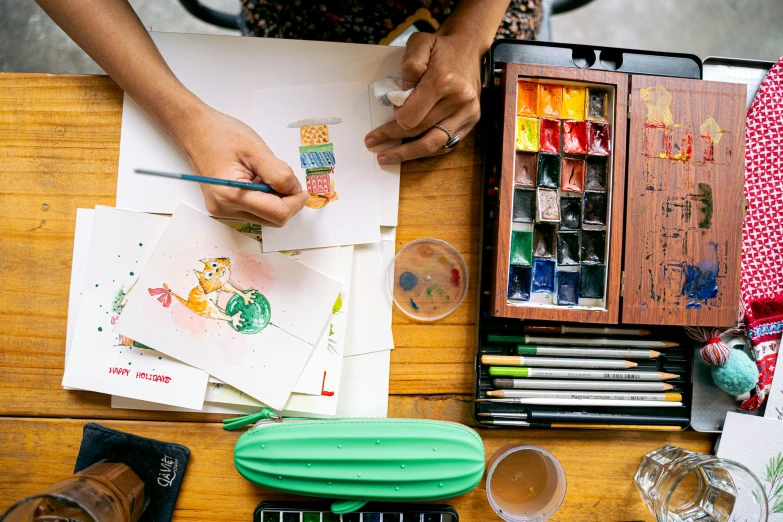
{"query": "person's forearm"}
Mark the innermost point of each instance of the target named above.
(476, 21)
(111, 33)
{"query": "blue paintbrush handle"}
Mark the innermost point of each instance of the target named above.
(210, 181)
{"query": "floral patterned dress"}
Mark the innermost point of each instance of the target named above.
(360, 21)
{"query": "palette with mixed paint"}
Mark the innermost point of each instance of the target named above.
(428, 279)
(561, 194)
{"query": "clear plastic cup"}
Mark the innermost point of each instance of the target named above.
(525, 484)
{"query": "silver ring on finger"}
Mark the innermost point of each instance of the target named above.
(453, 139)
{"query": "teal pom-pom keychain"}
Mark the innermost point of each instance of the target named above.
(732, 369)
(738, 375)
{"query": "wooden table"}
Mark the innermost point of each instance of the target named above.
(59, 143)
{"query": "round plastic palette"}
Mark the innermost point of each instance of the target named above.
(428, 279)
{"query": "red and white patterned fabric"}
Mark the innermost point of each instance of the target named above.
(761, 283)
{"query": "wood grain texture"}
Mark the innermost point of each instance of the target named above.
(59, 140)
(667, 229)
(599, 466)
(502, 308)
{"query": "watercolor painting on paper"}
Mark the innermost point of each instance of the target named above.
(311, 128)
(102, 361)
(249, 319)
(316, 157)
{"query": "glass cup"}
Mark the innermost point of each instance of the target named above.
(103, 492)
(678, 485)
(525, 484)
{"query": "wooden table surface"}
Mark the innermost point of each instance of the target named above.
(59, 144)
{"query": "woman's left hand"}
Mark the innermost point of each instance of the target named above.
(446, 74)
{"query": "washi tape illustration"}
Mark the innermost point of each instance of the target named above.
(247, 311)
(316, 156)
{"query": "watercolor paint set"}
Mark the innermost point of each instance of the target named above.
(613, 195)
(319, 512)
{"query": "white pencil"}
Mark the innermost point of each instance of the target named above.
(545, 384)
(567, 373)
(584, 395)
(554, 362)
(586, 402)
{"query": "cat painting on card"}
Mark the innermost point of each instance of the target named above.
(247, 311)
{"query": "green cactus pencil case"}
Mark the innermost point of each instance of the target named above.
(359, 460)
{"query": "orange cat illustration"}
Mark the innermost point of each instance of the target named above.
(202, 299)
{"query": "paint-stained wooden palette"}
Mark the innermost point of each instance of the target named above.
(684, 202)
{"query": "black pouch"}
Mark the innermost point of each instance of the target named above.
(161, 465)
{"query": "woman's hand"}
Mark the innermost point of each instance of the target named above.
(446, 73)
(219, 146)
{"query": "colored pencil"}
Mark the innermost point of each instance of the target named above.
(523, 424)
(581, 351)
(210, 181)
(562, 373)
(564, 394)
(586, 341)
(537, 384)
(585, 402)
(560, 329)
(552, 362)
(582, 417)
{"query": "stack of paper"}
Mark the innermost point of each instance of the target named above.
(190, 313)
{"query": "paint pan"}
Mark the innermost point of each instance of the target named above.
(544, 237)
(597, 104)
(550, 97)
(572, 175)
(575, 137)
(567, 288)
(571, 213)
(591, 281)
(598, 139)
(593, 246)
(275, 511)
(521, 248)
(525, 169)
(595, 208)
(527, 134)
(524, 210)
(573, 107)
(519, 281)
(549, 138)
(549, 170)
(548, 205)
(543, 276)
(595, 174)
(568, 248)
(428, 279)
(527, 98)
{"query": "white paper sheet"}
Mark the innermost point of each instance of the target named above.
(364, 392)
(119, 246)
(190, 260)
(370, 316)
(774, 408)
(351, 218)
(756, 443)
(217, 70)
(81, 242)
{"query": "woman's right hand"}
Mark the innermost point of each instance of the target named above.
(220, 146)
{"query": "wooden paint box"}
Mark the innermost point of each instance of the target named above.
(617, 197)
